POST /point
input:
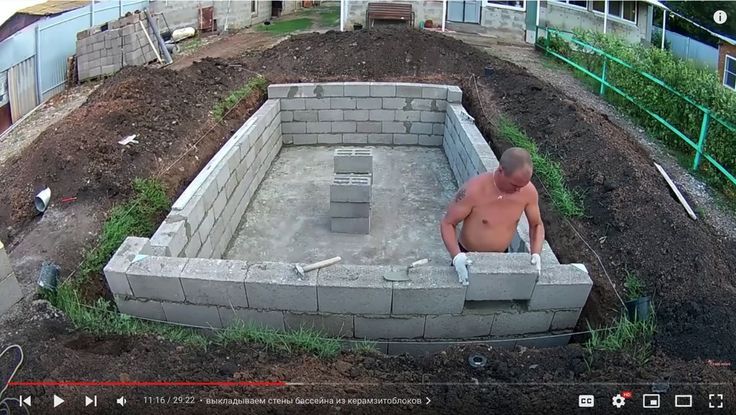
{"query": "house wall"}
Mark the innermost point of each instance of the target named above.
(180, 14)
(503, 19)
(723, 50)
(423, 10)
(569, 18)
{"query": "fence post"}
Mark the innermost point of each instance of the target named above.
(701, 140)
(91, 14)
(39, 86)
(603, 77)
(546, 41)
(120, 8)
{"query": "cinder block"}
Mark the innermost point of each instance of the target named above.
(454, 94)
(215, 282)
(434, 92)
(377, 327)
(454, 326)
(293, 104)
(561, 287)
(409, 90)
(430, 140)
(430, 290)
(382, 115)
(260, 318)
(329, 138)
(565, 319)
(383, 89)
(412, 116)
(294, 127)
(353, 160)
(350, 210)
(192, 314)
(350, 188)
(431, 116)
(357, 89)
(356, 115)
(287, 116)
(277, 286)
(369, 103)
(368, 127)
(115, 270)
(355, 138)
(148, 309)
(330, 115)
(500, 276)
(395, 127)
(303, 139)
(354, 289)
(522, 322)
(393, 103)
(342, 103)
(329, 89)
(157, 277)
(380, 138)
(319, 127)
(421, 127)
(317, 103)
(170, 238)
(334, 325)
(406, 139)
(305, 115)
(343, 127)
(351, 225)
(11, 293)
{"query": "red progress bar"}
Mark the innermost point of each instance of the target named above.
(132, 383)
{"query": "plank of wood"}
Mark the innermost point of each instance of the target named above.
(677, 191)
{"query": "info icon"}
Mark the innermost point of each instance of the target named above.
(586, 401)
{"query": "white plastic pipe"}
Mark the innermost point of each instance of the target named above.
(342, 15)
(605, 17)
(444, 13)
(664, 26)
(42, 200)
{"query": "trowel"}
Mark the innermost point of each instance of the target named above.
(403, 275)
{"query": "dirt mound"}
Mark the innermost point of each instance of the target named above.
(80, 155)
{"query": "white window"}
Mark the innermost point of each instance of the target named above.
(620, 9)
(253, 6)
(729, 72)
(577, 3)
(514, 5)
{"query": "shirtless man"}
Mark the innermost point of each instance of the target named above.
(489, 206)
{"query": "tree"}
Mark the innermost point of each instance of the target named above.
(700, 12)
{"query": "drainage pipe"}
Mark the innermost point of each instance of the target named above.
(161, 43)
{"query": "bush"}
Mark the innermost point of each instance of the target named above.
(694, 81)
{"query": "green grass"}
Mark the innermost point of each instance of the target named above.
(258, 83)
(297, 340)
(364, 346)
(329, 16)
(193, 44)
(634, 286)
(567, 202)
(283, 27)
(631, 337)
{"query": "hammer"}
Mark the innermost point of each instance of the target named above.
(317, 265)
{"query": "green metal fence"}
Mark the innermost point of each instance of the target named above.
(708, 115)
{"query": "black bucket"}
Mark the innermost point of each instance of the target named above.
(638, 310)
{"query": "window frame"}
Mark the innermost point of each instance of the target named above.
(622, 19)
(726, 71)
(253, 7)
(488, 3)
(566, 3)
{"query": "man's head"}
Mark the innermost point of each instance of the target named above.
(515, 170)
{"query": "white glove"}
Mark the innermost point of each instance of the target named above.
(537, 261)
(461, 263)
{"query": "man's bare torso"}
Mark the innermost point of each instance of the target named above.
(491, 225)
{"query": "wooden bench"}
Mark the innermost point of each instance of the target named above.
(389, 11)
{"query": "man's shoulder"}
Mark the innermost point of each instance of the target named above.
(474, 185)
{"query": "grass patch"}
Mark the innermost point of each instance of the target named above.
(364, 346)
(329, 16)
(301, 339)
(631, 337)
(254, 84)
(192, 45)
(566, 201)
(634, 286)
(283, 27)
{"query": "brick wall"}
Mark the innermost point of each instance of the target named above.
(723, 50)
(10, 292)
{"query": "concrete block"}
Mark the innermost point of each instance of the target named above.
(356, 115)
(350, 210)
(395, 127)
(278, 90)
(350, 188)
(192, 314)
(277, 286)
(369, 103)
(115, 270)
(383, 89)
(10, 293)
(430, 140)
(520, 323)
(431, 116)
(355, 138)
(454, 94)
(329, 89)
(351, 225)
(344, 127)
(382, 115)
(157, 278)
(193, 246)
(330, 115)
(334, 325)
(148, 309)
(343, 103)
(434, 92)
(354, 289)
(412, 116)
(293, 104)
(394, 327)
(305, 115)
(409, 90)
(287, 116)
(215, 282)
(500, 276)
(406, 139)
(423, 105)
(260, 318)
(368, 127)
(561, 287)
(317, 104)
(171, 237)
(303, 139)
(430, 290)
(393, 103)
(294, 127)
(380, 138)
(458, 326)
(421, 127)
(358, 89)
(5, 267)
(353, 160)
(319, 127)
(565, 319)
(329, 138)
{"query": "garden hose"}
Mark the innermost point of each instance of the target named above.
(5, 402)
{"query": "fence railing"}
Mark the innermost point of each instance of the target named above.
(708, 115)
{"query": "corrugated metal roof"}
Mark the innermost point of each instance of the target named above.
(53, 7)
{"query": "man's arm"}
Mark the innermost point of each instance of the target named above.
(536, 227)
(458, 210)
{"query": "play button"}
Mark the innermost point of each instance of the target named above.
(57, 401)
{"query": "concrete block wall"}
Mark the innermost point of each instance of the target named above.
(423, 10)
(10, 292)
(237, 14)
(122, 43)
(202, 221)
(364, 112)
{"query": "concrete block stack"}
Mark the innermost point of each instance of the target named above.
(10, 292)
(105, 49)
(351, 189)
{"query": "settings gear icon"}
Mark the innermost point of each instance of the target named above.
(618, 401)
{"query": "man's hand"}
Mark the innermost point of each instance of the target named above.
(461, 263)
(537, 261)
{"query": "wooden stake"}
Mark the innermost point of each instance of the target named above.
(677, 191)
